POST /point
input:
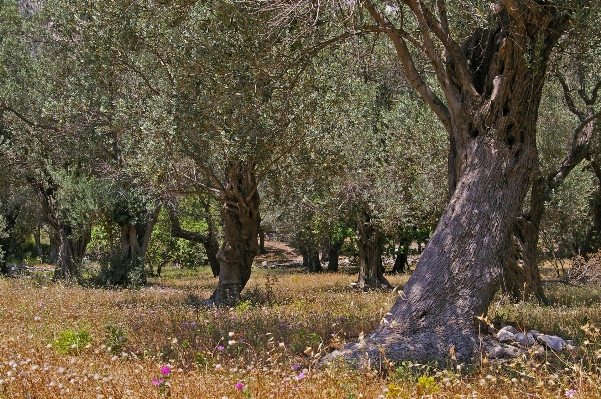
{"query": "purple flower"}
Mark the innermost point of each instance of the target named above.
(158, 382)
(300, 376)
(220, 348)
(570, 393)
(165, 370)
(192, 325)
(239, 386)
(295, 367)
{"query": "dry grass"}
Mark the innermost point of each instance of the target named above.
(266, 346)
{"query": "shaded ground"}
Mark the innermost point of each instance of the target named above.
(279, 254)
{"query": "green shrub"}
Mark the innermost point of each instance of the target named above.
(71, 341)
(116, 338)
(118, 271)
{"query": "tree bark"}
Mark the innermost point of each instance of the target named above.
(310, 254)
(262, 250)
(334, 255)
(38, 244)
(521, 277)
(493, 88)
(68, 247)
(371, 244)
(401, 264)
(241, 224)
(70, 252)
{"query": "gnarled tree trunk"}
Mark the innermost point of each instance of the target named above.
(370, 241)
(334, 255)
(134, 240)
(401, 264)
(241, 224)
(71, 251)
(310, 254)
(521, 277)
(493, 89)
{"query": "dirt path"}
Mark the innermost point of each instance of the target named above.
(281, 253)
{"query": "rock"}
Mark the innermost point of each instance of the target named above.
(524, 339)
(505, 336)
(534, 333)
(494, 350)
(553, 342)
(264, 263)
(511, 329)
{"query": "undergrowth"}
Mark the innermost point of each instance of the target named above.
(68, 341)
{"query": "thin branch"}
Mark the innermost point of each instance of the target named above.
(306, 58)
(568, 97)
(141, 75)
(272, 162)
(29, 122)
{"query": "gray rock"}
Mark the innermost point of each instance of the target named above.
(553, 342)
(534, 333)
(524, 339)
(511, 329)
(505, 336)
(494, 350)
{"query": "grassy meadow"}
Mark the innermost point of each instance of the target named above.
(68, 341)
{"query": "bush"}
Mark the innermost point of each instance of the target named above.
(70, 341)
(119, 271)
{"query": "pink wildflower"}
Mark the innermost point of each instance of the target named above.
(570, 393)
(165, 370)
(158, 382)
(300, 376)
(239, 386)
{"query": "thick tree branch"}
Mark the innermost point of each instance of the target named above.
(178, 232)
(411, 71)
(581, 141)
(428, 22)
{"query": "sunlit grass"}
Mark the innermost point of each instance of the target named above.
(265, 347)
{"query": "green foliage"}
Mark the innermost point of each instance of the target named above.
(119, 271)
(3, 234)
(71, 341)
(426, 386)
(116, 338)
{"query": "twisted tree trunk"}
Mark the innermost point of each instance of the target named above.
(493, 90)
(370, 241)
(241, 225)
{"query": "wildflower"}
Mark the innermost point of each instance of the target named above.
(296, 367)
(165, 370)
(300, 376)
(570, 393)
(220, 348)
(158, 382)
(231, 334)
(239, 386)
